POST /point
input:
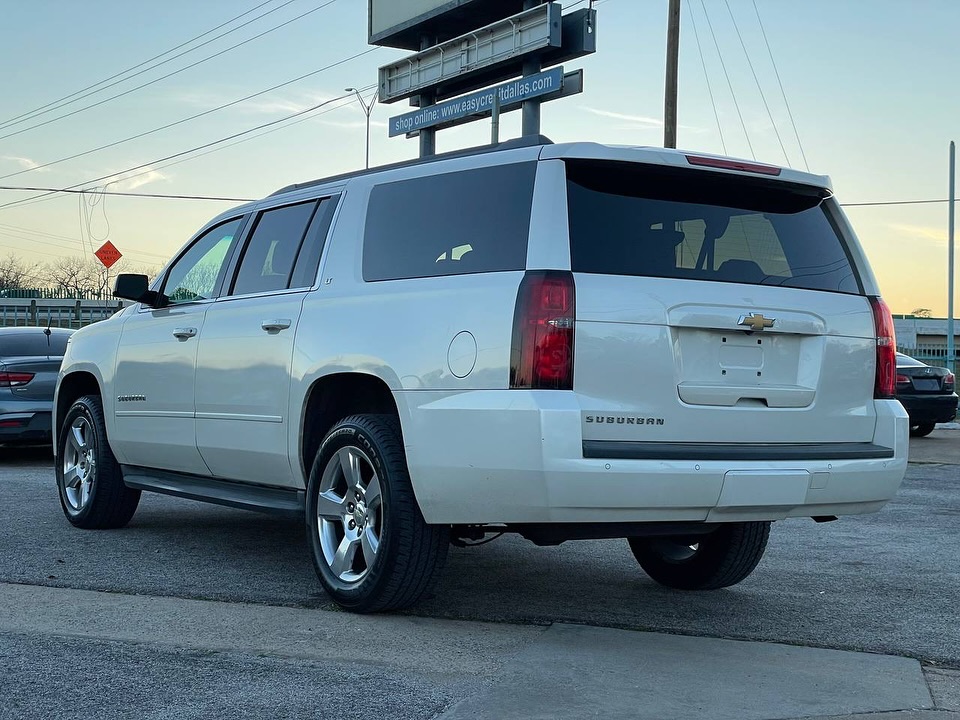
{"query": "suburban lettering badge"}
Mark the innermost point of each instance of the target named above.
(624, 420)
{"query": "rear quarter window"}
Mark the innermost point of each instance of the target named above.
(629, 219)
(470, 221)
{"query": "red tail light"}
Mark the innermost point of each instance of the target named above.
(542, 351)
(885, 383)
(15, 379)
(903, 380)
(948, 381)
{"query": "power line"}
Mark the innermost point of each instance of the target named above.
(182, 153)
(780, 82)
(894, 202)
(125, 194)
(192, 117)
(757, 81)
(164, 77)
(729, 84)
(703, 62)
(59, 102)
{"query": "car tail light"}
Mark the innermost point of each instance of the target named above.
(903, 380)
(15, 379)
(885, 382)
(948, 381)
(541, 356)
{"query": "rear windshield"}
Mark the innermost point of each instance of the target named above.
(32, 344)
(629, 219)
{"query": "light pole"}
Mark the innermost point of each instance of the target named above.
(367, 109)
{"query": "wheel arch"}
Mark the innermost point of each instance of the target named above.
(70, 387)
(335, 396)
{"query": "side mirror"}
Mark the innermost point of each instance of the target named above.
(130, 286)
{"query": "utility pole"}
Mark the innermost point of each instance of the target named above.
(951, 360)
(673, 58)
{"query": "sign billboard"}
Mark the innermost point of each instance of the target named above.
(481, 103)
(401, 23)
(484, 48)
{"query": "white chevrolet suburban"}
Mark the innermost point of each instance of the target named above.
(565, 341)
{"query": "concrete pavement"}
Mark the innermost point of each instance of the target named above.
(124, 655)
(456, 670)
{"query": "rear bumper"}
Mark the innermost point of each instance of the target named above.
(25, 427)
(518, 457)
(929, 408)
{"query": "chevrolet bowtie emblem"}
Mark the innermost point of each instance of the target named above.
(756, 321)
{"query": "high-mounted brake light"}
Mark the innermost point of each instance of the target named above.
(15, 379)
(885, 384)
(733, 165)
(543, 322)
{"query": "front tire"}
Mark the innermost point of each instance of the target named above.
(703, 562)
(371, 548)
(92, 493)
(922, 430)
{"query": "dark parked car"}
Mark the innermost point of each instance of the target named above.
(30, 360)
(927, 394)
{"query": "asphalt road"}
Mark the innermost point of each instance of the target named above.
(887, 582)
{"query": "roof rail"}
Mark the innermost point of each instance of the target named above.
(522, 142)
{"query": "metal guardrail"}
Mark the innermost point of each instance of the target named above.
(55, 313)
(935, 355)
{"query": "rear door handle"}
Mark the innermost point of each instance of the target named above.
(275, 326)
(184, 333)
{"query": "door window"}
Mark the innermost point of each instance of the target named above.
(199, 271)
(268, 260)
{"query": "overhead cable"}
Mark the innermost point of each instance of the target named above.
(729, 84)
(188, 119)
(757, 81)
(60, 101)
(703, 62)
(184, 152)
(164, 77)
(780, 82)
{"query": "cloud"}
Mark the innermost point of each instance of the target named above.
(125, 182)
(354, 124)
(641, 120)
(259, 106)
(25, 163)
(636, 122)
(924, 232)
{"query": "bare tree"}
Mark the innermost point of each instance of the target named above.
(77, 277)
(13, 273)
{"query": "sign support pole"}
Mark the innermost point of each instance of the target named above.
(495, 120)
(530, 124)
(428, 138)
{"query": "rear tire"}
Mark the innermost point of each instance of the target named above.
(371, 548)
(921, 430)
(703, 562)
(92, 493)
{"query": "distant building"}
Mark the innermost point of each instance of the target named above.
(925, 338)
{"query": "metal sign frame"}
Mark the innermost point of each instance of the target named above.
(443, 21)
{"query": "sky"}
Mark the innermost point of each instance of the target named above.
(861, 90)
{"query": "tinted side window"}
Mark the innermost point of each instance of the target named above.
(198, 272)
(308, 261)
(267, 262)
(463, 222)
(643, 220)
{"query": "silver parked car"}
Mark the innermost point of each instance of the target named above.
(30, 359)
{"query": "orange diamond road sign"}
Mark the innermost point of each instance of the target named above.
(108, 254)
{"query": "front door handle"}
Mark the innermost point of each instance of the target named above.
(184, 333)
(275, 326)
